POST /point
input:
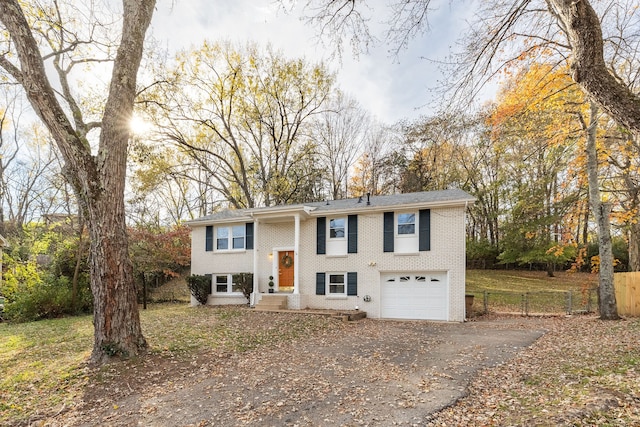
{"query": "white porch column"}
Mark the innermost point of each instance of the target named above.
(256, 253)
(296, 247)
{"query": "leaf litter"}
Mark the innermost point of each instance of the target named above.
(493, 371)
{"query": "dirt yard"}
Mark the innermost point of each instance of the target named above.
(367, 373)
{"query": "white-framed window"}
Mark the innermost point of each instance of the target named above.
(406, 224)
(230, 238)
(223, 284)
(337, 283)
(337, 228)
(237, 233)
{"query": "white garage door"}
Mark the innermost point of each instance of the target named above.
(415, 296)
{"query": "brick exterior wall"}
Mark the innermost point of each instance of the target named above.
(203, 262)
(447, 254)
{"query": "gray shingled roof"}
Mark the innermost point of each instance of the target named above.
(424, 198)
(226, 214)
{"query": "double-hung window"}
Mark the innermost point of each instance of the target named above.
(337, 284)
(222, 238)
(228, 238)
(222, 282)
(237, 231)
(406, 223)
(337, 228)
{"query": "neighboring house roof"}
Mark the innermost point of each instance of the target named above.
(424, 199)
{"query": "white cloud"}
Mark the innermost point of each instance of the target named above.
(390, 90)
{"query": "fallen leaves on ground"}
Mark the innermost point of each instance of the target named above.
(582, 372)
(568, 371)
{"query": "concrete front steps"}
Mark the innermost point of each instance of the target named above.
(272, 303)
(278, 303)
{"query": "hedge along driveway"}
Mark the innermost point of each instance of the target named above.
(367, 372)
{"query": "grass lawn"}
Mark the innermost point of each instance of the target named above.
(532, 292)
(42, 364)
(527, 281)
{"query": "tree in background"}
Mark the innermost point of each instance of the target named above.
(485, 180)
(535, 130)
(159, 254)
(97, 174)
(30, 180)
(434, 154)
(243, 116)
(46, 275)
(376, 170)
(505, 32)
(167, 187)
(339, 133)
(602, 211)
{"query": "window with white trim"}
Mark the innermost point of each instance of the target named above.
(237, 233)
(223, 284)
(230, 238)
(406, 223)
(337, 284)
(337, 228)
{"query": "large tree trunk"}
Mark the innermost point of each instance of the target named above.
(117, 330)
(606, 292)
(582, 26)
(99, 180)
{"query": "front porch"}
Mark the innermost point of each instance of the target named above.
(279, 303)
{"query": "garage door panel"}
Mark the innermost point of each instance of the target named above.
(414, 296)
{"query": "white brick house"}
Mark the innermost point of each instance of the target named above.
(399, 256)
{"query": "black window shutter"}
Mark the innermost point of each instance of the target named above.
(388, 232)
(424, 233)
(321, 236)
(352, 283)
(248, 244)
(320, 284)
(208, 241)
(352, 237)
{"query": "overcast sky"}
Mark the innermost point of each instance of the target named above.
(391, 89)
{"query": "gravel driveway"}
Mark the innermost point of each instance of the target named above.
(370, 372)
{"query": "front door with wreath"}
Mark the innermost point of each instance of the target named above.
(285, 271)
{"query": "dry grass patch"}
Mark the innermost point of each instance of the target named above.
(528, 281)
(42, 364)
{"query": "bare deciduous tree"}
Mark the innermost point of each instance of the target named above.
(242, 115)
(505, 31)
(339, 133)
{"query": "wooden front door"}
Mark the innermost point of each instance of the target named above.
(285, 271)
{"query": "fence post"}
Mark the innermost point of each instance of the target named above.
(524, 304)
(569, 302)
(486, 301)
